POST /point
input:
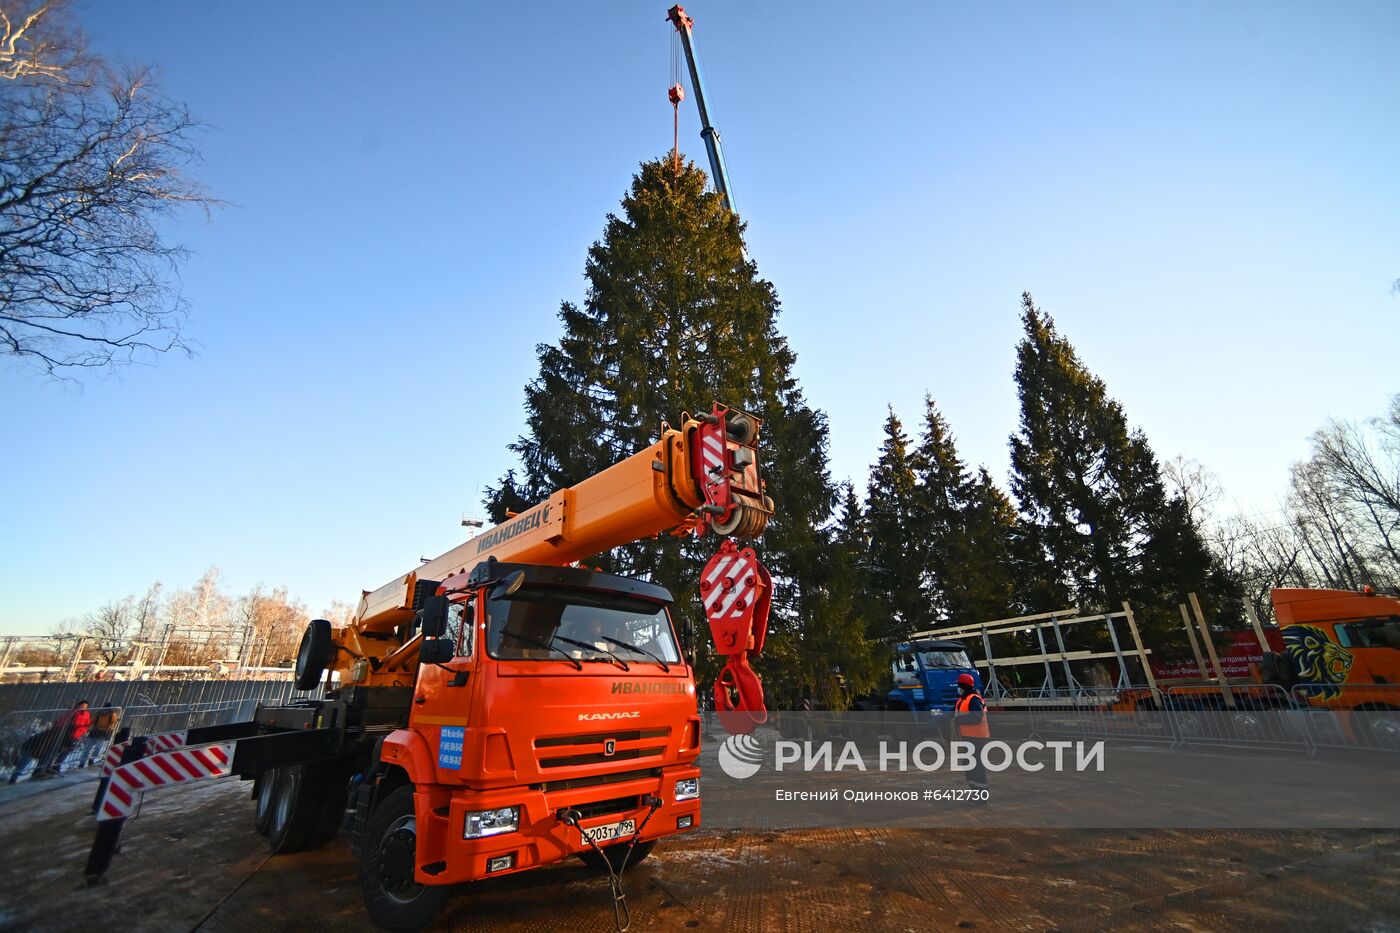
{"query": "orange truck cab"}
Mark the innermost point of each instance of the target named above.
(1342, 648)
(566, 709)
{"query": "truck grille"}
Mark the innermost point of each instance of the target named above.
(590, 748)
(597, 738)
(596, 779)
(596, 758)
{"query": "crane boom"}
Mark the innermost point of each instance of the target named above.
(683, 24)
(703, 475)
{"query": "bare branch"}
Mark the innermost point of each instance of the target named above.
(91, 159)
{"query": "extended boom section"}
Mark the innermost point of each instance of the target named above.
(701, 476)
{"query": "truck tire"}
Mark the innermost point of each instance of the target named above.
(295, 812)
(313, 654)
(1382, 726)
(614, 854)
(331, 783)
(387, 862)
(267, 789)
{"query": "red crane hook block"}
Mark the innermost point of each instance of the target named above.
(737, 593)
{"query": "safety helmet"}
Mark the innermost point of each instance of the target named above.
(965, 680)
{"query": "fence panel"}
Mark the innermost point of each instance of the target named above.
(1259, 715)
(1356, 716)
(1127, 712)
(30, 741)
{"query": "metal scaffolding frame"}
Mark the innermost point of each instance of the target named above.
(1056, 621)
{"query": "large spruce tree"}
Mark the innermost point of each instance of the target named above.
(895, 573)
(972, 530)
(1092, 487)
(675, 315)
(943, 544)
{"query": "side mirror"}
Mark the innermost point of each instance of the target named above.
(432, 618)
(509, 585)
(436, 651)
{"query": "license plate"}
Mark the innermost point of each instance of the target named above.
(610, 832)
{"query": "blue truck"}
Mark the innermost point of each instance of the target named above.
(926, 678)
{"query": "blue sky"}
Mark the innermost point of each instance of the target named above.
(1204, 195)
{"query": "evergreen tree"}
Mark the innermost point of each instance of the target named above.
(896, 586)
(971, 530)
(982, 580)
(675, 315)
(1092, 487)
(830, 658)
(938, 500)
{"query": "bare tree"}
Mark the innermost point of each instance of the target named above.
(1198, 487)
(146, 612)
(273, 626)
(338, 613)
(92, 157)
(1261, 555)
(1326, 528)
(111, 626)
(1362, 471)
(197, 625)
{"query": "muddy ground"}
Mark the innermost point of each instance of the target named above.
(192, 861)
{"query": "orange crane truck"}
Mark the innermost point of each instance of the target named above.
(500, 708)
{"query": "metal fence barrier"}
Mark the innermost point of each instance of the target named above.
(1304, 719)
(1098, 712)
(1258, 715)
(1351, 716)
(32, 741)
(37, 740)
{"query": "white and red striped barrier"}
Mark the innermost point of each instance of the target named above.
(154, 743)
(162, 769)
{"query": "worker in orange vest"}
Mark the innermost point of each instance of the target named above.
(970, 718)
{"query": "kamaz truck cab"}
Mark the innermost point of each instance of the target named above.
(926, 676)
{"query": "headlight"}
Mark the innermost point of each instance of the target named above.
(687, 789)
(491, 823)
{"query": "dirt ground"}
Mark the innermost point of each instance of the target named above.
(192, 861)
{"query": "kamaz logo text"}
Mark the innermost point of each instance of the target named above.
(590, 717)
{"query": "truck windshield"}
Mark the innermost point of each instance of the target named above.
(577, 624)
(936, 660)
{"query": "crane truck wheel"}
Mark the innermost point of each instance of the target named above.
(296, 811)
(334, 782)
(615, 854)
(267, 791)
(313, 654)
(387, 861)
